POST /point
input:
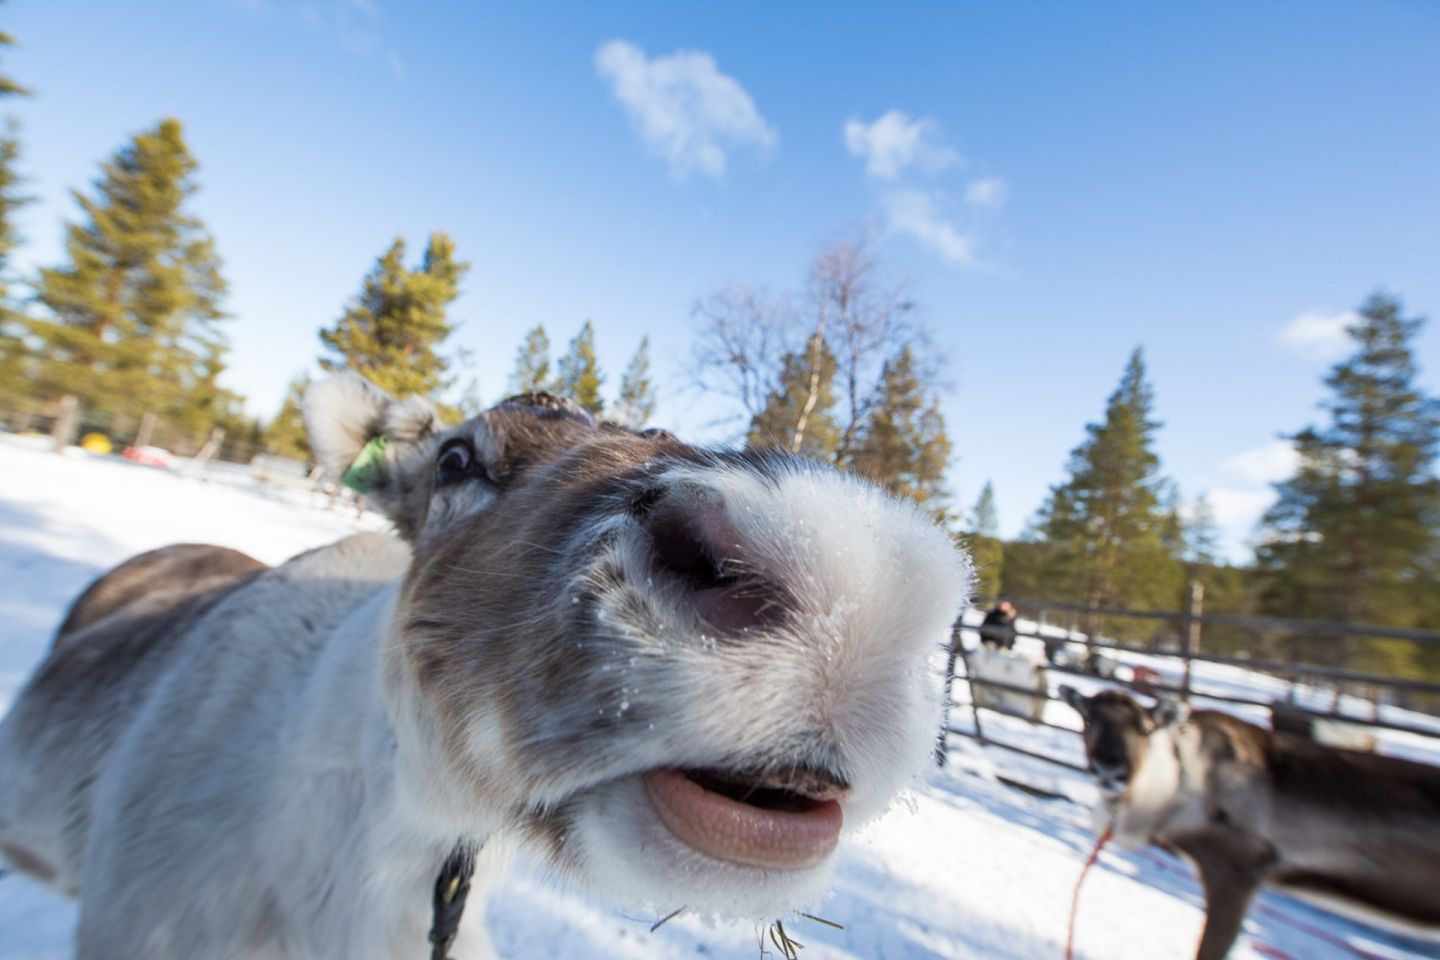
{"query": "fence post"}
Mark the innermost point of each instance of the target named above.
(941, 745)
(147, 429)
(67, 422)
(974, 701)
(1087, 627)
(1190, 636)
(212, 446)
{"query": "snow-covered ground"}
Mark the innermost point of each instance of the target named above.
(968, 868)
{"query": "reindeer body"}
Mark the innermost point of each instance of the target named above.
(585, 639)
(1355, 831)
(206, 729)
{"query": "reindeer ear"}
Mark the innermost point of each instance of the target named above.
(1077, 700)
(1169, 712)
(379, 446)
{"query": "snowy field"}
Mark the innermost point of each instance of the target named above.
(968, 868)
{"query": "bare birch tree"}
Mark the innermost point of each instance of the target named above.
(788, 362)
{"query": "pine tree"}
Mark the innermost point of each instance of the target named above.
(136, 310)
(1352, 533)
(532, 364)
(285, 435)
(798, 412)
(469, 403)
(1107, 528)
(14, 369)
(637, 391)
(8, 87)
(902, 444)
(982, 539)
(1202, 535)
(14, 361)
(580, 378)
(984, 519)
(393, 331)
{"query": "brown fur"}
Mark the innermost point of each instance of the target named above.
(557, 473)
(98, 672)
(150, 571)
(1282, 810)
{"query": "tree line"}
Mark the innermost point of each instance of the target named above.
(132, 323)
(841, 369)
(1352, 537)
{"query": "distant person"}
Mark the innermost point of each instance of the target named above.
(997, 630)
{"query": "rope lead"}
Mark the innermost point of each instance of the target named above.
(1075, 899)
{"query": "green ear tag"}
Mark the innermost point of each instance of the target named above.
(362, 473)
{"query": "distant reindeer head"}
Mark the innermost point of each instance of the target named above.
(1117, 733)
(674, 670)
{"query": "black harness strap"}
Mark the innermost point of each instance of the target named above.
(452, 886)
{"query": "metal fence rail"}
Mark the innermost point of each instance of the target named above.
(1333, 678)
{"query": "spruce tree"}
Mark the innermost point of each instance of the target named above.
(1107, 529)
(1352, 533)
(799, 411)
(135, 311)
(983, 541)
(902, 443)
(14, 361)
(984, 519)
(468, 403)
(15, 375)
(1202, 535)
(636, 404)
(580, 378)
(8, 86)
(393, 331)
(285, 435)
(532, 364)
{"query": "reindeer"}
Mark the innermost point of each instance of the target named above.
(675, 673)
(1357, 832)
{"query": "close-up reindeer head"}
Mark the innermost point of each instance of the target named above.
(679, 673)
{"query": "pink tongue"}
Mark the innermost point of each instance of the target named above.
(729, 830)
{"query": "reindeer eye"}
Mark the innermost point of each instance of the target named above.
(455, 463)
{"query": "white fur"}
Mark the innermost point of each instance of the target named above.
(282, 792)
(344, 412)
(1150, 801)
(881, 582)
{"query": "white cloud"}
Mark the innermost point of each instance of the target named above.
(1236, 513)
(987, 192)
(915, 213)
(1268, 464)
(354, 25)
(1320, 336)
(1238, 510)
(683, 107)
(896, 141)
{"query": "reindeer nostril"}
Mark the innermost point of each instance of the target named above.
(681, 549)
(696, 546)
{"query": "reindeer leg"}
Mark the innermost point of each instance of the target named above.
(1231, 867)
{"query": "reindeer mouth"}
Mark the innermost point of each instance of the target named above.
(788, 822)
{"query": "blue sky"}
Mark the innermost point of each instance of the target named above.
(1058, 182)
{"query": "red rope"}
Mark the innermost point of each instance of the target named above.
(1075, 899)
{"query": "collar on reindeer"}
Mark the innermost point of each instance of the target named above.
(452, 886)
(364, 471)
